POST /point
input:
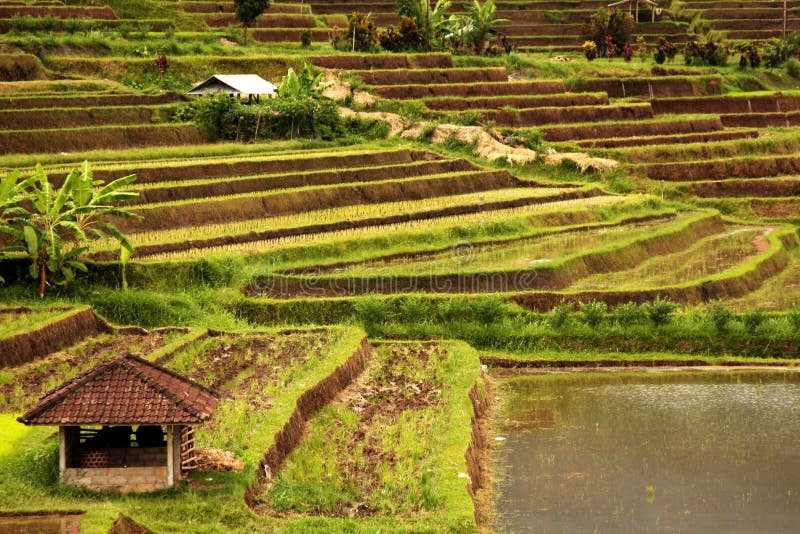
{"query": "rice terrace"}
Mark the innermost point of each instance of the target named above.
(399, 266)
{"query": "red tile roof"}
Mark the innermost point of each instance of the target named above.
(125, 391)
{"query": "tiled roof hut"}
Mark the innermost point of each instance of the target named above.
(112, 398)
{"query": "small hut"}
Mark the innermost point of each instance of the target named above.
(125, 425)
(252, 85)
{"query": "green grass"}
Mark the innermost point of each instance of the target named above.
(654, 358)
(10, 325)
(425, 444)
(11, 432)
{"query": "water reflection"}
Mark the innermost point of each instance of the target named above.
(656, 452)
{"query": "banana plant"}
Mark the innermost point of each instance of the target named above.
(12, 192)
(483, 23)
(431, 18)
(303, 85)
(57, 226)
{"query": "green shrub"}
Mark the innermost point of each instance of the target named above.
(660, 311)
(212, 115)
(793, 67)
(629, 314)
(603, 24)
(720, 315)
(185, 112)
(594, 312)
(709, 52)
(361, 35)
(369, 129)
(794, 319)
(752, 319)
(560, 316)
(305, 37)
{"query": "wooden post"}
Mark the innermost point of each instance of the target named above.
(63, 444)
(170, 455)
(784, 20)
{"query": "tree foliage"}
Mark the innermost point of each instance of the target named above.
(247, 11)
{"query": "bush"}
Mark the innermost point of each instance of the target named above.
(305, 37)
(665, 51)
(720, 315)
(776, 53)
(711, 52)
(361, 35)
(794, 319)
(590, 50)
(222, 117)
(212, 116)
(750, 56)
(560, 316)
(185, 112)
(660, 311)
(629, 314)
(594, 312)
(793, 67)
(627, 52)
(369, 129)
(642, 48)
(752, 319)
(604, 24)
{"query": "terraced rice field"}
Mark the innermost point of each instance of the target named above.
(40, 117)
(21, 386)
(519, 253)
(348, 467)
(706, 257)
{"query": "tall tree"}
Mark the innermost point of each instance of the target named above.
(247, 11)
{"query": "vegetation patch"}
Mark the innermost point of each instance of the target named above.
(378, 450)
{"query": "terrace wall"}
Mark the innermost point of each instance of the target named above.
(28, 346)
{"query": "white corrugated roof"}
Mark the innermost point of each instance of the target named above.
(247, 84)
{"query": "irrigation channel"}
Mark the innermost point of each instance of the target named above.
(667, 451)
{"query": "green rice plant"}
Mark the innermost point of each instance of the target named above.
(372, 310)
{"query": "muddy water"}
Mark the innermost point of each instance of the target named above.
(649, 452)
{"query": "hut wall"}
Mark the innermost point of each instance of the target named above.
(121, 479)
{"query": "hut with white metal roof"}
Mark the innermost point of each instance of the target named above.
(251, 85)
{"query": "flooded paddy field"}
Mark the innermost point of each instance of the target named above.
(698, 451)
